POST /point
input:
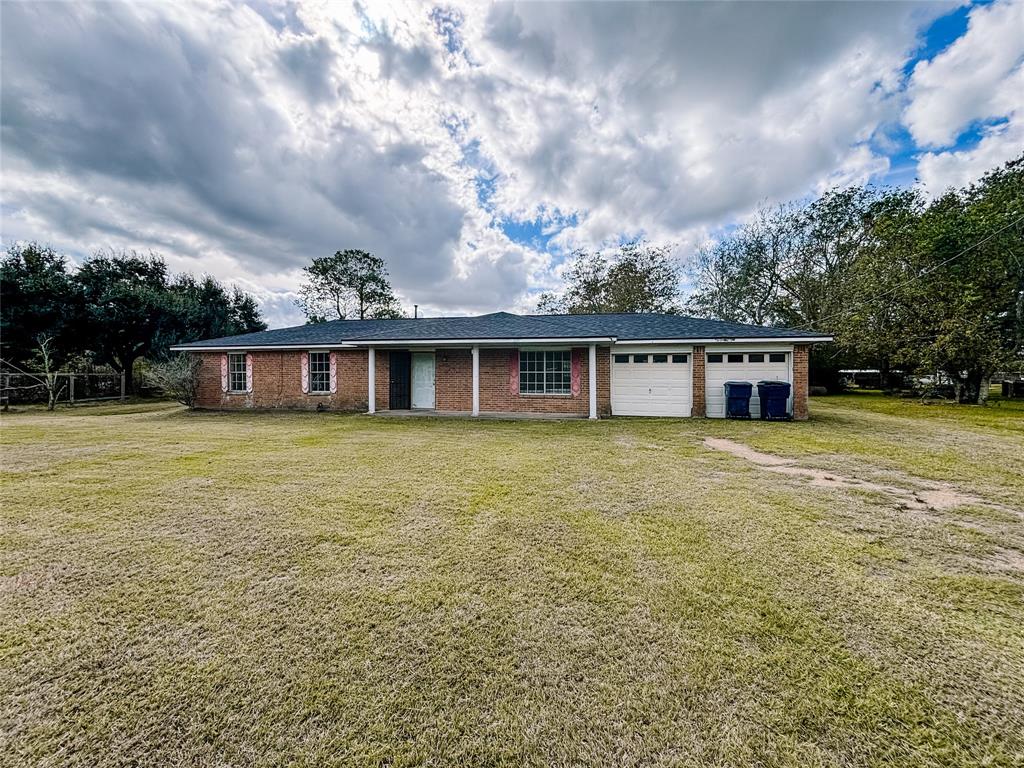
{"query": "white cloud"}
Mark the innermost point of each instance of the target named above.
(939, 171)
(977, 78)
(245, 140)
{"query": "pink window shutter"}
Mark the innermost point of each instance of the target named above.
(334, 372)
(305, 372)
(248, 372)
(575, 377)
(223, 373)
(513, 372)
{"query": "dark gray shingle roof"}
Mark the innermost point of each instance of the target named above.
(504, 325)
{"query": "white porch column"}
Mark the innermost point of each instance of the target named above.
(592, 370)
(371, 377)
(476, 381)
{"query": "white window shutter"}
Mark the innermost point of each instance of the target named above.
(334, 372)
(305, 372)
(223, 373)
(248, 372)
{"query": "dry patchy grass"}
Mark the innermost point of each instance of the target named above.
(316, 589)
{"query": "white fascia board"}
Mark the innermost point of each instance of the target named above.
(265, 348)
(363, 344)
(480, 342)
(733, 340)
(672, 346)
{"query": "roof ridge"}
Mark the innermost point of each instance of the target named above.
(507, 325)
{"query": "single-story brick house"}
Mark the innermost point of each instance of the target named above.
(581, 365)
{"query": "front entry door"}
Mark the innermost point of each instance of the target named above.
(423, 380)
(398, 373)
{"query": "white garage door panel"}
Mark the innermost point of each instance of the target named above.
(651, 389)
(719, 373)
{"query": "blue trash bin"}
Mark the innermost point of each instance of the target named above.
(774, 396)
(737, 399)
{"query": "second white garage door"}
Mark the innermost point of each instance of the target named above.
(723, 366)
(648, 382)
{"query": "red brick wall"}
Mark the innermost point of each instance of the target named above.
(699, 402)
(454, 380)
(495, 394)
(800, 374)
(382, 380)
(277, 382)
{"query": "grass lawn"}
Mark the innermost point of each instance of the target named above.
(316, 589)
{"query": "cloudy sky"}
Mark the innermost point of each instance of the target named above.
(472, 146)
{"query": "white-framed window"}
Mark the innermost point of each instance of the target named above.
(236, 372)
(543, 372)
(319, 373)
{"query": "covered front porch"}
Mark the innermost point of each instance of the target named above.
(493, 380)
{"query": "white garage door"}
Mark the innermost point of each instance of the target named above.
(742, 366)
(651, 383)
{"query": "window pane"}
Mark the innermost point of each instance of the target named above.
(659, 358)
(758, 358)
(545, 372)
(319, 372)
(714, 358)
(735, 358)
(622, 358)
(777, 357)
(639, 358)
(531, 372)
(236, 372)
(557, 372)
(679, 358)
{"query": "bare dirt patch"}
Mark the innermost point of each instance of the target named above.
(928, 496)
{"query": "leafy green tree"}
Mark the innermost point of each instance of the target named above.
(637, 277)
(349, 284)
(128, 308)
(245, 313)
(879, 291)
(942, 285)
(38, 298)
(116, 308)
(203, 308)
(741, 277)
(785, 265)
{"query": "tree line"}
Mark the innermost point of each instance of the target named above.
(903, 282)
(114, 309)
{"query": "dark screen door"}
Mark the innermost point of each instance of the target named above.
(399, 396)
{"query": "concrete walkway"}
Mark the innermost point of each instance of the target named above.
(493, 415)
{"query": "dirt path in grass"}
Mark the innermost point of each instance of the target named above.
(929, 496)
